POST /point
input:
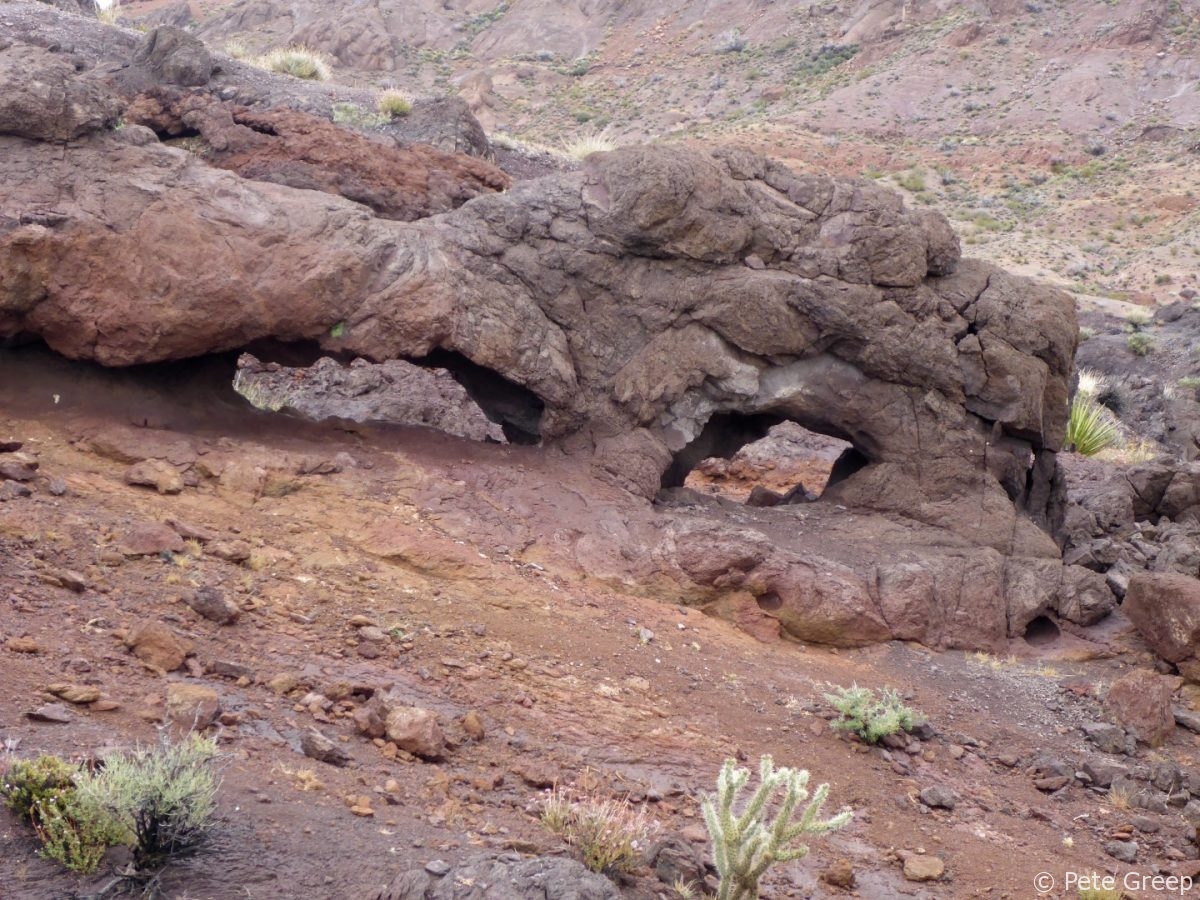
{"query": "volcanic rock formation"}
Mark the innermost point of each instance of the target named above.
(659, 306)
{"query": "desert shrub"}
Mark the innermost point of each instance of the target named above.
(299, 62)
(393, 104)
(730, 41)
(587, 142)
(1140, 343)
(869, 716)
(1091, 427)
(354, 116)
(912, 181)
(163, 798)
(27, 783)
(746, 842)
(72, 831)
(1101, 893)
(608, 834)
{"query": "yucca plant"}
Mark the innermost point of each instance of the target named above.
(1091, 427)
(745, 843)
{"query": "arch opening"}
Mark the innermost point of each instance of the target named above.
(1041, 632)
(762, 459)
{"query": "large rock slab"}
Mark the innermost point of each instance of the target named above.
(1165, 608)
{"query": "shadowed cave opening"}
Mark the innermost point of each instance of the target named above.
(762, 459)
(1041, 632)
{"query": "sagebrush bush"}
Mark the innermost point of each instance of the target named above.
(870, 717)
(299, 62)
(746, 843)
(393, 103)
(1091, 427)
(164, 798)
(609, 835)
(28, 783)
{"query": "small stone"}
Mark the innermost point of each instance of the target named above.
(74, 693)
(71, 580)
(317, 746)
(371, 633)
(213, 605)
(156, 473)
(438, 867)
(191, 707)
(57, 487)
(938, 797)
(18, 469)
(361, 621)
(956, 752)
(416, 731)
(1146, 825)
(472, 724)
(22, 645)
(1052, 783)
(284, 683)
(839, 874)
(150, 539)
(11, 490)
(228, 669)
(1108, 738)
(157, 645)
(1125, 851)
(104, 705)
(923, 868)
(54, 713)
(230, 551)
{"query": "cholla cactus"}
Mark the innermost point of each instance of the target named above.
(744, 845)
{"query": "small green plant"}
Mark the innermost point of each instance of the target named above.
(299, 62)
(393, 103)
(163, 798)
(1140, 343)
(609, 835)
(912, 181)
(1090, 426)
(28, 783)
(870, 717)
(354, 116)
(746, 843)
(1100, 893)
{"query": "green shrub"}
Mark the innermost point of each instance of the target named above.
(28, 783)
(393, 104)
(164, 799)
(354, 116)
(745, 843)
(43, 792)
(1091, 427)
(299, 62)
(871, 718)
(1140, 343)
(608, 834)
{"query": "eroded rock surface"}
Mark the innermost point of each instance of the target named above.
(657, 307)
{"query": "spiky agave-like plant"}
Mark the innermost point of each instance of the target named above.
(745, 845)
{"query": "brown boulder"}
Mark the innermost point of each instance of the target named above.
(157, 645)
(417, 731)
(191, 707)
(175, 57)
(1140, 702)
(150, 539)
(156, 473)
(42, 97)
(1165, 609)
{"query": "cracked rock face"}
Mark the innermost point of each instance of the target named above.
(656, 305)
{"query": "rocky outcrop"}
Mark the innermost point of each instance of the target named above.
(656, 307)
(303, 151)
(43, 97)
(537, 878)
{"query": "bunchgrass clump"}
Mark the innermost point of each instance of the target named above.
(297, 61)
(1091, 427)
(587, 142)
(869, 716)
(393, 103)
(767, 830)
(609, 835)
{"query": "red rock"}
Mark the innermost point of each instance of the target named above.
(1140, 702)
(157, 645)
(155, 473)
(416, 731)
(191, 707)
(150, 539)
(1165, 608)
